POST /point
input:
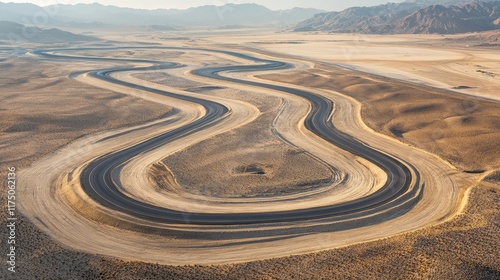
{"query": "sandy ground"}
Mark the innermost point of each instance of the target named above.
(461, 129)
(216, 245)
(452, 64)
(43, 110)
(432, 251)
(464, 248)
(466, 63)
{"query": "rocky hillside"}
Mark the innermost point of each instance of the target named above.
(358, 19)
(408, 18)
(452, 19)
(426, 3)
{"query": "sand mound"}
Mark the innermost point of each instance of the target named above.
(462, 129)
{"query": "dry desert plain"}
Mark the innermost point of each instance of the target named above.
(432, 102)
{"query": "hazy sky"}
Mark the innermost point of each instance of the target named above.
(180, 4)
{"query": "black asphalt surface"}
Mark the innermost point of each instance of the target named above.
(97, 179)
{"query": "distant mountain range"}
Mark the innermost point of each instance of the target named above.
(15, 32)
(97, 15)
(427, 3)
(410, 17)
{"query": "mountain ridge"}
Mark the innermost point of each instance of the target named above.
(408, 18)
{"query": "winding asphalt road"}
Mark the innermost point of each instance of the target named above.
(97, 180)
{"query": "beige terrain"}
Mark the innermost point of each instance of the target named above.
(451, 126)
(454, 63)
(427, 100)
(42, 110)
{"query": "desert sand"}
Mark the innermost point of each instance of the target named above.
(261, 158)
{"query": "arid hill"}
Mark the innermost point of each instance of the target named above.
(408, 18)
(451, 20)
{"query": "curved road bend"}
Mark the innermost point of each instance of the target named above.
(97, 182)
